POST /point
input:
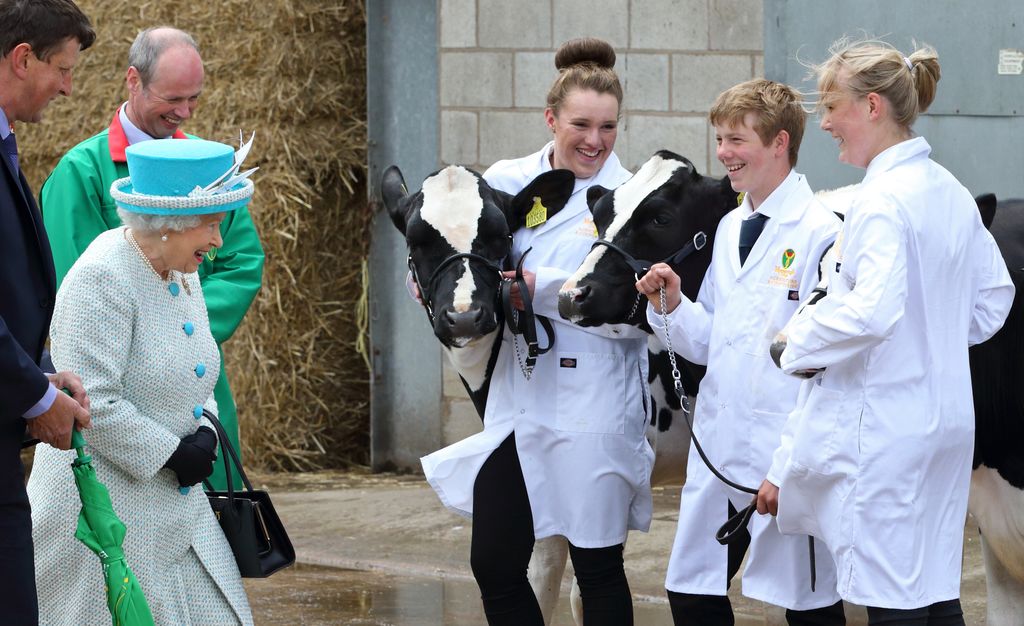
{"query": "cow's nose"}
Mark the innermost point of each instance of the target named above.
(466, 323)
(570, 301)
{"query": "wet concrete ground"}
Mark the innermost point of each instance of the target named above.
(381, 550)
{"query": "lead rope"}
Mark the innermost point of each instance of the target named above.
(524, 323)
(738, 522)
(525, 367)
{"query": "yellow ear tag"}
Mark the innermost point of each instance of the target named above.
(739, 198)
(537, 215)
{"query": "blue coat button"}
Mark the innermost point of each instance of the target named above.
(174, 289)
(197, 412)
(189, 328)
(200, 370)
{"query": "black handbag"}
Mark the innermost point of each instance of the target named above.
(250, 523)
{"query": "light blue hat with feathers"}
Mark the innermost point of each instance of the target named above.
(184, 177)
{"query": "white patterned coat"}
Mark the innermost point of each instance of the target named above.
(119, 326)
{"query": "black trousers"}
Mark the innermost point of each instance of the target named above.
(948, 613)
(502, 544)
(18, 604)
(707, 610)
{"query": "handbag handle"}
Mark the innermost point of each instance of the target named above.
(225, 445)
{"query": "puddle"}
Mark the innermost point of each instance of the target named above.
(315, 596)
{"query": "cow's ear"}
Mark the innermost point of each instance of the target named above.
(987, 207)
(395, 195)
(595, 193)
(553, 189)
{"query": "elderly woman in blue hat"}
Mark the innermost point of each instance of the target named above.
(131, 321)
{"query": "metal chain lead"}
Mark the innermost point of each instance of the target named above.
(677, 381)
(525, 369)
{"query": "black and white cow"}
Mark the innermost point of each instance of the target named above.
(997, 484)
(456, 212)
(651, 216)
(459, 233)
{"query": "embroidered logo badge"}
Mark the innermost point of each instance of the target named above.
(537, 215)
(783, 275)
(567, 362)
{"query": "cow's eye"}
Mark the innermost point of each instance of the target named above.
(661, 219)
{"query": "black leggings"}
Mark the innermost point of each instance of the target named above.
(948, 613)
(707, 610)
(503, 542)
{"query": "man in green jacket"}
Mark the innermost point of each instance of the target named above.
(165, 78)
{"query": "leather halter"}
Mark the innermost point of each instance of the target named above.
(518, 322)
(425, 294)
(641, 267)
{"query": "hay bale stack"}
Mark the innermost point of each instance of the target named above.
(294, 71)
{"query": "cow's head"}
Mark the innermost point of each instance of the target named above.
(459, 233)
(651, 216)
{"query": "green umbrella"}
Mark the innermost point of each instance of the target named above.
(102, 532)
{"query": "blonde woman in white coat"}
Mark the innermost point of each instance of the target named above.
(564, 452)
(877, 459)
(130, 318)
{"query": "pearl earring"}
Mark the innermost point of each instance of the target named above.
(163, 237)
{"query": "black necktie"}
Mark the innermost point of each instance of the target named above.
(750, 230)
(11, 148)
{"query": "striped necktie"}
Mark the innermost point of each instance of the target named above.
(11, 148)
(750, 230)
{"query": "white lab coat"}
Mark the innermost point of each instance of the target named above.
(876, 461)
(580, 420)
(744, 398)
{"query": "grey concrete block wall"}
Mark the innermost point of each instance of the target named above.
(697, 79)
(476, 79)
(674, 57)
(591, 18)
(497, 62)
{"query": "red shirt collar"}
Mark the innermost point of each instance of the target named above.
(118, 141)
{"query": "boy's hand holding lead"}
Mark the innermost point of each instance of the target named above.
(650, 284)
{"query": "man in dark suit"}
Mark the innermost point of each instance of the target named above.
(39, 45)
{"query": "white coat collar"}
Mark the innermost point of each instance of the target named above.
(609, 177)
(894, 155)
(606, 176)
(784, 204)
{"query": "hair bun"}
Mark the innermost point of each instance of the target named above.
(585, 50)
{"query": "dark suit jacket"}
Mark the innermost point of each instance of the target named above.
(27, 290)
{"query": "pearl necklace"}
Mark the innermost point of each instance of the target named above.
(135, 244)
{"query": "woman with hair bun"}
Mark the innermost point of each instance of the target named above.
(879, 460)
(563, 453)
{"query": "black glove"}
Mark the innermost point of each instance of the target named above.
(193, 460)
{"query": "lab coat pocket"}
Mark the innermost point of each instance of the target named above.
(767, 314)
(816, 439)
(591, 394)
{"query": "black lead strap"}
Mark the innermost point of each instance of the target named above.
(519, 322)
(733, 527)
(641, 267)
(522, 323)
